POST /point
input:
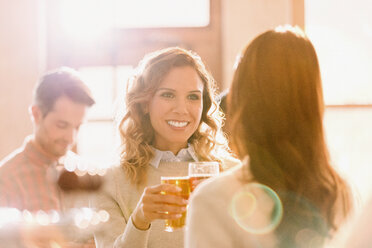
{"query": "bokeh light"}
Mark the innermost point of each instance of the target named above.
(42, 218)
(27, 216)
(104, 215)
(9, 215)
(87, 217)
(251, 206)
(54, 216)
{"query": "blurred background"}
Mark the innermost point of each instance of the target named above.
(105, 39)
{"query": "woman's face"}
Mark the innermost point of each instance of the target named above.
(175, 109)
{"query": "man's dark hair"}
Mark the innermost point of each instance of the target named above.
(222, 99)
(61, 82)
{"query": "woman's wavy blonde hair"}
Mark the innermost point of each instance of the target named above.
(135, 128)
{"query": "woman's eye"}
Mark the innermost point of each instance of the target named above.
(167, 95)
(194, 97)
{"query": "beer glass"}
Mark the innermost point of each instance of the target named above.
(184, 184)
(199, 171)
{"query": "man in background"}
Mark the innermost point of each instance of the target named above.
(222, 99)
(28, 176)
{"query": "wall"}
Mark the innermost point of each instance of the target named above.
(21, 62)
(23, 46)
(242, 20)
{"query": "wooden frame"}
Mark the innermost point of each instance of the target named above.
(128, 46)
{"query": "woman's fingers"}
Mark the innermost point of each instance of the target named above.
(160, 211)
(165, 216)
(164, 208)
(157, 189)
(164, 199)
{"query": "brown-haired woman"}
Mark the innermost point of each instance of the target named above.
(286, 194)
(171, 118)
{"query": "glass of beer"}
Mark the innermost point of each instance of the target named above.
(199, 171)
(184, 184)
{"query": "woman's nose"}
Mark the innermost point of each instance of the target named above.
(180, 106)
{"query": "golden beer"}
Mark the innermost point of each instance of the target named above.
(196, 179)
(184, 184)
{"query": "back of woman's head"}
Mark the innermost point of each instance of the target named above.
(276, 110)
(276, 94)
(135, 127)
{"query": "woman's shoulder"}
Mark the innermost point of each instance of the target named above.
(113, 171)
(115, 176)
(231, 183)
(224, 184)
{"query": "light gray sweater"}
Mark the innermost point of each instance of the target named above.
(119, 198)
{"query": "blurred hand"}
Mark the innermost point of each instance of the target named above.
(42, 237)
(49, 237)
(158, 202)
(69, 181)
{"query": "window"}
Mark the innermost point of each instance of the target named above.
(104, 39)
(92, 17)
(98, 138)
(341, 32)
(162, 13)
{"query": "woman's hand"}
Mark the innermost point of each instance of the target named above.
(158, 202)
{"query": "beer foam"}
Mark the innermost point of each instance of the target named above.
(205, 175)
(174, 178)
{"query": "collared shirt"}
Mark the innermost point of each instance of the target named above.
(28, 180)
(185, 154)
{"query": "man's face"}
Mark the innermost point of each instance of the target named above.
(56, 132)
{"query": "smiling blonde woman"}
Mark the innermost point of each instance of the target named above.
(171, 118)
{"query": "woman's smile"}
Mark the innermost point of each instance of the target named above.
(177, 124)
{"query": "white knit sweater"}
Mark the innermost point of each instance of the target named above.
(119, 198)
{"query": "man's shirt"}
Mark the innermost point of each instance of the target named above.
(28, 180)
